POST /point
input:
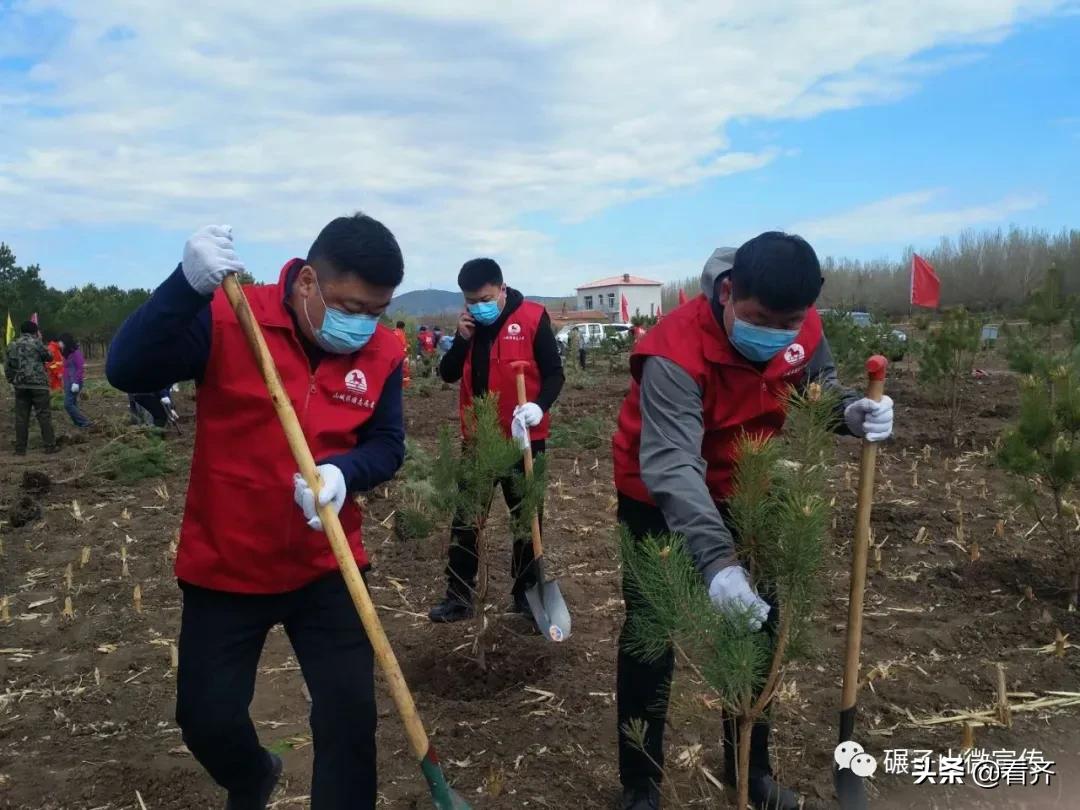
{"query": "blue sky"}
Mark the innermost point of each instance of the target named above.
(602, 138)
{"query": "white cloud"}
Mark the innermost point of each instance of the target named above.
(910, 216)
(450, 121)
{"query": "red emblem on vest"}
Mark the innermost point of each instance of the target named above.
(356, 381)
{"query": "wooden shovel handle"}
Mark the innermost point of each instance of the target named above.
(519, 367)
(414, 728)
(875, 370)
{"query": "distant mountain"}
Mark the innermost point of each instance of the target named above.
(440, 302)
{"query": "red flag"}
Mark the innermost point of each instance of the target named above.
(682, 296)
(624, 309)
(925, 284)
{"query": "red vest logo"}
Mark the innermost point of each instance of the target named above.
(794, 354)
(356, 381)
(514, 329)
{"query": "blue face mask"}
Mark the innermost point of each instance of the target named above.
(485, 313)
(759, 344)
(342, 332)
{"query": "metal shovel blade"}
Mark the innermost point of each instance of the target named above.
(549, 610)
(850, 787)
(443, 797)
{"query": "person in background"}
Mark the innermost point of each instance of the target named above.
(55, 366)
(403, 338)
(425, 342)
(443, 346)
(252, 552)
(24, 368)
(154, 408)
(713, 370)
(497, 328)
(74, 372)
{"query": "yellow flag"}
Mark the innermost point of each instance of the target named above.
(9, 331)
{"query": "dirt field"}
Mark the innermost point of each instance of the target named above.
(86, 704)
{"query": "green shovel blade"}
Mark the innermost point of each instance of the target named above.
(444, 796)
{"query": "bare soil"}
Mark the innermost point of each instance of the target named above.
(86, 703)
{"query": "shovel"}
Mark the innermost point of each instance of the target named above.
(442, 794)
(545, 599)
(850, 788)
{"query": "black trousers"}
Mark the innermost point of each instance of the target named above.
(642, 688)
(221, 639)
(463, 563)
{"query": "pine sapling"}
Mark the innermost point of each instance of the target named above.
(780, 513)
(464, 477)
(1042, 449)
(946, 359)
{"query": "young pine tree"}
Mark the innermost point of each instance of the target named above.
(946, 358)
(780, 515)
(463, 478)
(1042, 450)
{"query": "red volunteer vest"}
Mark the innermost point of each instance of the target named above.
(737, 397)
(242, 531)
(514, 342)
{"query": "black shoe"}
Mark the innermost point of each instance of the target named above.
(636, 798)
(520, 605)
(51, 450)
(20, 452)
(766, 794)
(258, 802)
(451, 609)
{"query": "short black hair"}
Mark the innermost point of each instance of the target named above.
(477, 273)
(362, 246)
(400, 325)
(780, 270)
(423, 328)
(28, 328)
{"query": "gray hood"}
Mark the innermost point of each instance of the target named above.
(722, 260)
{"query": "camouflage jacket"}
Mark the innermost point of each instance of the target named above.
(25, 363)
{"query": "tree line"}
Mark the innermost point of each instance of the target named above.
(984, 271)
(992, 270)
(91, 313)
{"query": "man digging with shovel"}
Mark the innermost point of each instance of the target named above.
(716, 367)
(497, 330)
(252, 554)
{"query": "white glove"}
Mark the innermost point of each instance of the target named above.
(333, 491)
(730, 590)
(75, 388)
(520, 431)
(530, 412)
(870, 420)
(209, 257)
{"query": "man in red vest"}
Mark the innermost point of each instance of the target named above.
(497, 328)
(252, 554)
(425, 341)
(711, 370)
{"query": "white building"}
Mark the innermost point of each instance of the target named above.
(605, 295)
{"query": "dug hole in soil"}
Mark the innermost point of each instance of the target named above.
(86, 703)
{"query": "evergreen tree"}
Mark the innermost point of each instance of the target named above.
(1042, 449)
(947, 357)
(780, 514)
(461, 484)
